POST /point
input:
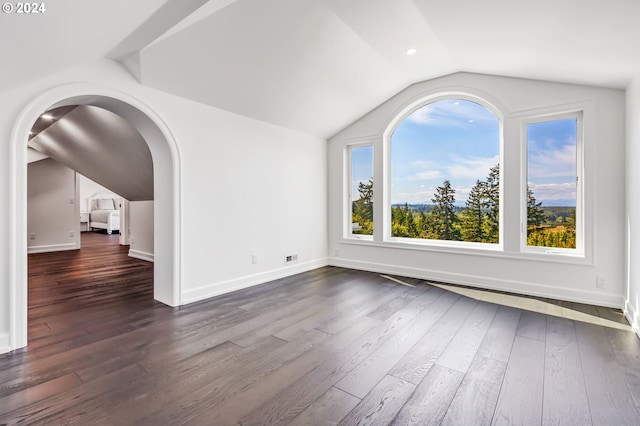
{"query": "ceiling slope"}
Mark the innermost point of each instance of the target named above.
(318, 65)
(592, 42)
(103, 147)
(295, 63)
(67, 33)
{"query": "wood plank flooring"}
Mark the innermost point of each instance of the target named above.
(331, 346)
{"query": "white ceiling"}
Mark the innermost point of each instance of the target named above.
(317, 65)
(67, 33)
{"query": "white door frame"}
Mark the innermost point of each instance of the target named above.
(167, 195)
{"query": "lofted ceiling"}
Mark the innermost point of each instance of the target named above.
(101, 146)
(317, 65)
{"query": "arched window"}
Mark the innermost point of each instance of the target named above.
(445, 174)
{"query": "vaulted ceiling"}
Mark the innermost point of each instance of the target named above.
(317, 65)
(101, 146)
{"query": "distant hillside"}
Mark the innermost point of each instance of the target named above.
(554, 212)
(426, 208)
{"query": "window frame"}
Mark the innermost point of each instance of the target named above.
(348, 166)
(430, 243)
(580, 251)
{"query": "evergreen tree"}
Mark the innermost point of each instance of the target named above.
(473, 216)
(571, 221)
(535, 215)
(412, 229)
(398, 227)
(443, 215)
(424, 227)
(491, 225)
(363, 208)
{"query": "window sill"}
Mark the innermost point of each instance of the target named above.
(474, 249)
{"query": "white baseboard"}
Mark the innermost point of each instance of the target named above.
(633, 316)
(52, 247)
(4, 343)
(141, 255)
(216, 289)
(520, 287)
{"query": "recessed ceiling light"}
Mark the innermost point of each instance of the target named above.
(47, 116)
(456, 103)
(412, 51)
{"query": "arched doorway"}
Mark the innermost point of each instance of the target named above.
(166, 161)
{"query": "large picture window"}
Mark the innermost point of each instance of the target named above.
(445, 174)
(553, 184)
(361, 189)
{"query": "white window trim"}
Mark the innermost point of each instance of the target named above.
(398, 119)
(580, 251)
(470, 250)
(348, 186)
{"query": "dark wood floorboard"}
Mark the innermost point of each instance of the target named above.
(431, 399)
(361, 380)
(520, 399)
(608, 393)
(326, 347)
(563, 376)
(328, 409)
(381, 404)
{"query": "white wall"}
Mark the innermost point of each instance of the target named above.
(52, 221)
(632, 305)
(88, 189)
(250, 188)
(542, 274)
(247, 188)
(141, 230)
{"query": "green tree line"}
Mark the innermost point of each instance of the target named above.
(477, 221)
(545, 230)
(362, 210)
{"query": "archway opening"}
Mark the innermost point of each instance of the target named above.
(166, 175)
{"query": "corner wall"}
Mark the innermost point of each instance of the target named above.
(632, 222)
(141, 230)
(52, 223)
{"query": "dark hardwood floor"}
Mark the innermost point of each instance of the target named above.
(331, 346)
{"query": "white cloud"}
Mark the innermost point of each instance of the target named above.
(546, 163)
(554, 191)
(457, 168)
(425, 175)
(423, 164)
(471, 167)
(462, 194)
(419, 197)
(425, 195)
(452, 113)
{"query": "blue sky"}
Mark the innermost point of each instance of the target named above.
(459, 140)
(551, 153)
(362, 167)
(456, 140)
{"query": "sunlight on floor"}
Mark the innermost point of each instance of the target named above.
(526, 303)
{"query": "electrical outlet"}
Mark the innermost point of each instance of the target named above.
(290, 258)
(254, 259)
(601, 283)
(32, 236)
(71, 234)
(71, 201)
